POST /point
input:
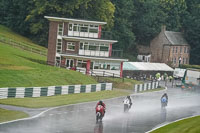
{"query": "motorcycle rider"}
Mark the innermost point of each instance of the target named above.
(164, 96)
(129, 99)
(102, 104)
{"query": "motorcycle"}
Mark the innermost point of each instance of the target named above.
(99, 113)
(127, 105)
(164, 102)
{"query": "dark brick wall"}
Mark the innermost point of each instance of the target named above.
(156, 47)
(65, 31)
(53, 27)
(64, 48)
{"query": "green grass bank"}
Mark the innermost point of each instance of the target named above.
(190, 125)
(8, 115)
(20, 68)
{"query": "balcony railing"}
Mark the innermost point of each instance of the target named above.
(107, 35)
(115, 53)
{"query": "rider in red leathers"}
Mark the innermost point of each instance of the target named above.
(104, 107)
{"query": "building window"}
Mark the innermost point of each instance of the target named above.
(60, 29)
(184, 49)
(57, 63)
(174, 60)
(75, 27)
(176, 49)
(93, 28)
(180, 49)
(92, 47)
(183, 60)
(103, 48)
(59, 45)
(83, 28)
(173, 49)
(188, 50)
(81, 45)
(70, 27)
(86, 46)
(70, 46)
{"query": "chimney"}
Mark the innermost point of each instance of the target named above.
(163, 28)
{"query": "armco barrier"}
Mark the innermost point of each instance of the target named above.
(21, 92)
(145, 86)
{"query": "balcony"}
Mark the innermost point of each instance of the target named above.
(93, 53)
(106, 35)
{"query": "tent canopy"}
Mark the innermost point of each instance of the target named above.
(146, 66)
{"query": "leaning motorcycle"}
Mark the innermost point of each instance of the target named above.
(127, 105)
(99, 113)
(164, 102)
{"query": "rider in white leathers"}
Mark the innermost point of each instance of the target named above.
(129, 99)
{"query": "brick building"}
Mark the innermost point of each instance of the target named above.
(170, 47)
(77, 44)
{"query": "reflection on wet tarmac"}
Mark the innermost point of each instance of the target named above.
(98, 127)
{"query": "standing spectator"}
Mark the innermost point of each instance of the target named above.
(170, 78)
(165, 76)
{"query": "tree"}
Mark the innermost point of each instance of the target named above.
(122, 30)
(147, 20)
(175, 10)
(13, 14)
(191, 26)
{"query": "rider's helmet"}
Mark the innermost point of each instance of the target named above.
(100, 102)
(128, 97)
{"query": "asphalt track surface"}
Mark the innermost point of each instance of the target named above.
(145, 115)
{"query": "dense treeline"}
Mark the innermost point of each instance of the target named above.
(131, 22)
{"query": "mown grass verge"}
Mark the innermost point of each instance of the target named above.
(52, 101)
(120, 83)
(20, 68)
(190, 125)
(8, 115)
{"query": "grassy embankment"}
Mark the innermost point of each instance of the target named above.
(24, 69)
(190, 125)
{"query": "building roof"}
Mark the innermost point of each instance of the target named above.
(146, 66)
(88, 39)
(175, 38)
(73, 20)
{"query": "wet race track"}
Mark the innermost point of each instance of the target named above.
(145, 114)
